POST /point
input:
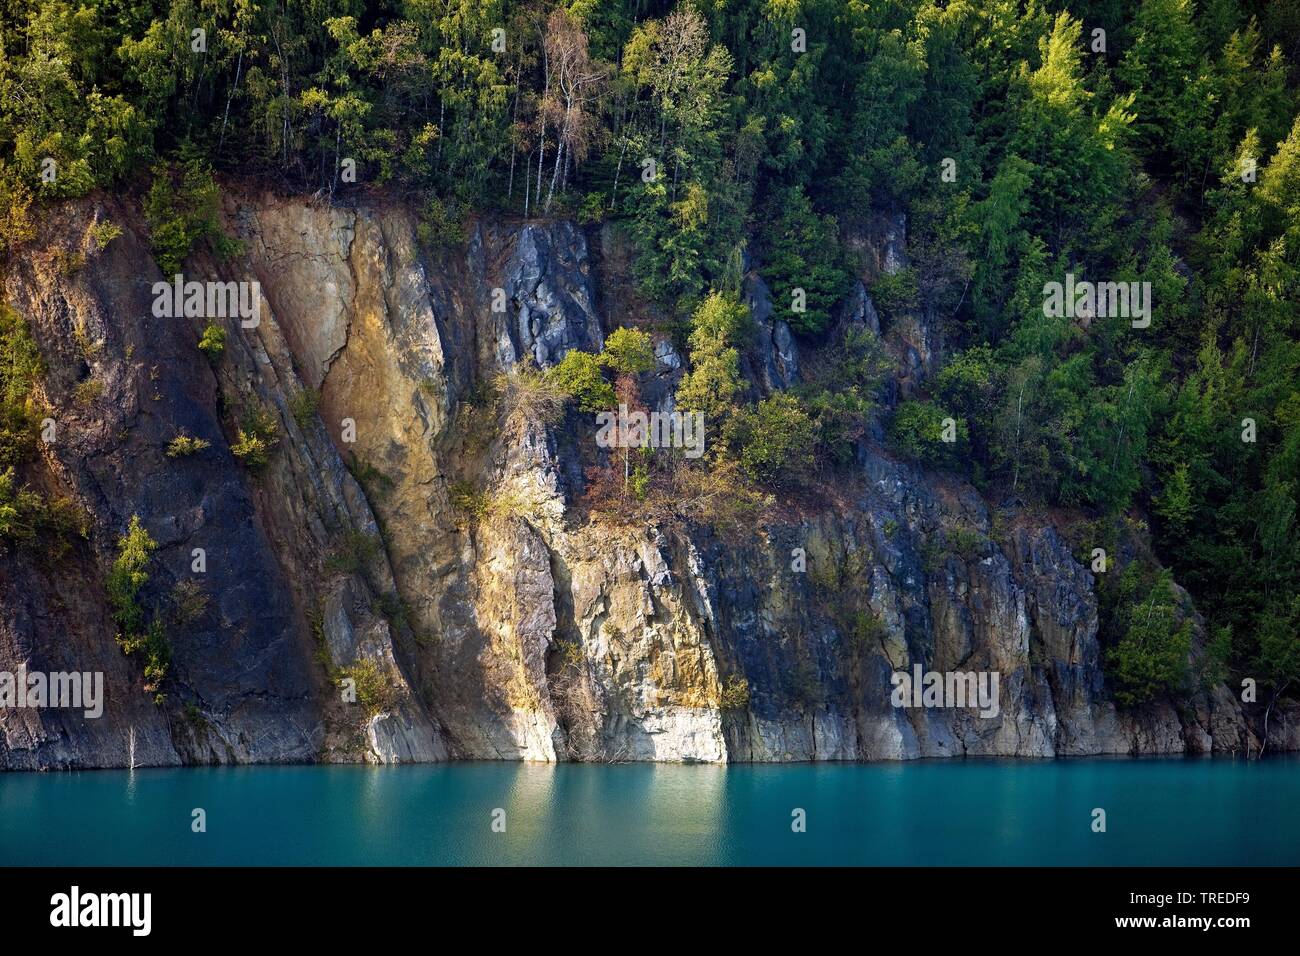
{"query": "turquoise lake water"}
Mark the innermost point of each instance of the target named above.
(974, 812)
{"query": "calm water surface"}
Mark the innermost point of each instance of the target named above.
(974, 812)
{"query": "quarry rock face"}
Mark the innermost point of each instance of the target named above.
(520, 627)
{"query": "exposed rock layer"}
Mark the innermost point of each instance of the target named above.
(528, 634)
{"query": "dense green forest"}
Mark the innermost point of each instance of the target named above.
(1151, 142)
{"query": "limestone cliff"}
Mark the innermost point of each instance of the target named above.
(530, 632)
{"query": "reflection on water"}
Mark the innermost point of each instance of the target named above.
(1159, 812)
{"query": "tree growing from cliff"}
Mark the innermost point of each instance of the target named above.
(802, 262)
(839, 391)
(714, 383)
(578, 374)
(1152, 656)
(628, 352)
(16, 199)
(775, 439)
(128, 576)
(181, 210)
(20, 365)
(255, 437)
(20, 509)
(926, 432)
(212, 342)
(125, 580)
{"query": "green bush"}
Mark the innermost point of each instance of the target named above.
(88, 391)
(128, 576)
(125, 580)
(735, 693)
(182, 446)
(152, 645)
(839, 391)
(303, 406)
(971, 386)
(775, 439)
(966, 543)
(60, 520)
(713, 384)
(68, 263)
(29, 519)
(20, 365)
(469, 500)
(721, 318)
(157, 656)
(1151, 658)
(181, 209)
(594, 207)
(441, 225)
(640, 477)
(104, 232)
(867, 630)
(628, 352)
(579, 375)
(917, 433)
(803, 254)
(21, 510)
(16, 225)
(375, 691)
(571, 655)
(253, 450)
(213, 342)
(26, 517)
(87, 344)
(256, 437)
(895, 292)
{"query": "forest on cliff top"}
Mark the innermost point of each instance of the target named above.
(1154, 142)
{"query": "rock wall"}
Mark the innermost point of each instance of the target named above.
(520, 632)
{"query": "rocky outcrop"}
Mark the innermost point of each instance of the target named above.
(774, 352)
(405, 538)
(909, 332)
(859, 309)
(243, 684)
